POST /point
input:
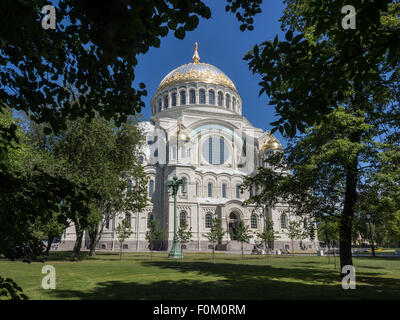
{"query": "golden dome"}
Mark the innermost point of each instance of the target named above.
(182, 134)
(196, 72)
(272, 144)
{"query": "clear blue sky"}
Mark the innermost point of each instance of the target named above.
(222, 44)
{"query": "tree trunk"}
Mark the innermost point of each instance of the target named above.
(346, 219)
(78, 243)
(292, 247)
(92, 247)
(242, 250)
(120, 251)
(49, 243)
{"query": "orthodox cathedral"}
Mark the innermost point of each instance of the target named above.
(197, 133)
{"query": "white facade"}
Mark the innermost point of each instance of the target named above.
(197, 132)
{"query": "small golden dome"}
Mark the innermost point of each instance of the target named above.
(272, 144)
(182, 134)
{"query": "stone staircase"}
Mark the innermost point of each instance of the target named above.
(234, 245)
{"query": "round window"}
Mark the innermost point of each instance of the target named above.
(215, 150)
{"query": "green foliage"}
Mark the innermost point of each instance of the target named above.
(87, 64)
(268, 235)
(328, 230)
(104, 157)
(184, 232)
(153, 234)
(339, 89)
(124, 231)
(243, 234)
(249, 8)
(306, 79)
(294, 230)
(9, 290)
(215, 234)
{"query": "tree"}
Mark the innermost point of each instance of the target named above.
(153, 234)
(47, 71)
(104, 157)
(9, 290)
(328, 230)
(124, 231)
(323, 68)
(294, 232)
(243, 234)
(184, 233)
(268, 235)
(215, 234)
(30, 196)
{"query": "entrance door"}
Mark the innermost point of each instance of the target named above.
(233, 223)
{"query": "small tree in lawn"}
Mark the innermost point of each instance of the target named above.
(153, 234)
(184, 234)
(294, 232)
(243, 234)
(268, 235)
(123, 232)
(216, 233)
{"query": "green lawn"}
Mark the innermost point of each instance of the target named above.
(197, 277)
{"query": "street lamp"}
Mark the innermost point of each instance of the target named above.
(370, 234)
(174, 185)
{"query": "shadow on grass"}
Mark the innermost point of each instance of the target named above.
(239, 281)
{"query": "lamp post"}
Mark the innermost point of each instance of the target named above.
(174, 185)
(370, 234)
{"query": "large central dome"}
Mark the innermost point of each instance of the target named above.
(198, 72)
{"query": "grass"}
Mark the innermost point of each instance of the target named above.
(197, 277)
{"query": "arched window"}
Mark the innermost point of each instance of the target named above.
(197, 189)
(182, 217)
(151, 188)
(211, 97)
(108, 222)
(184, 185)
(166, 102)
(283, 221)
(183, 156)
(228, 101)
(237, 191)
(251, 192)
(174, 99)
(140, 159)
(128, 218)
(253, 221)
(220, 98)
(209, 189)
(183, 97)
(202, 96)
(223, 190)
(149, 218)
(192, 95)
(234, 104)
(174, 152)
(159, 105)
(208, 221)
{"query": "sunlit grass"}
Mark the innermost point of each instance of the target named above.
(198, 277)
